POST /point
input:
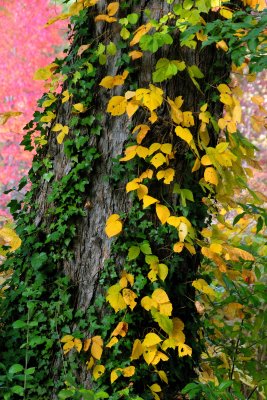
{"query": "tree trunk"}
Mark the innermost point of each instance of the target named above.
(76, 187)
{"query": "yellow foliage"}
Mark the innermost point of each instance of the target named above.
(113, 225)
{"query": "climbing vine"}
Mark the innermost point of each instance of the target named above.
(144, 339)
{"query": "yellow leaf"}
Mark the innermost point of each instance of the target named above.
(188, 119)
(187, 136)
(135, 54)
(163, 271)
(153, 117)
(98, 371)
(137, 350)
(176, 113)
(129, 371)
(90, 363)
(110, 81)
(65, 97)
(154, 147)
(178, 247)
(160, 296)
(115, 298)
(158, 357)
(152, 98)
(166, 148)
(112, 8)
(148, 200)
(205, 160)
(151, 339)
(113, 225)
(155, 388)
(196, 165)
(114, 376)
(163, 213)
(223, 88)
(57, 18)
(106, 18)
(133, 185)
(215, 257)
(68, 346)
(184, 350)
(166, 309)
(163, 376)
(147, 303)
(226, 99)
(222, 45)
(48, 117)
(143, 129)
(202, 286)
(182, 231)
(112, 342)
(130, 153)
(158, 160)
(174, 221)
(96, 349)
(141, 151)
(117, 105)
(78, 345)
(190, 248)
(129, 297)
(67, 338)
(79, 107)
(121, 329)
(8, 237)
(167, 174)
(226, 13)
(141, 31)
(46, 72)
(216, 247)
(210, 176)
(86, 344)
(142, 191)
(149, 354)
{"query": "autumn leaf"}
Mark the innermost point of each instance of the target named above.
(98, 371)
(141, 31)
(202, 286)
(8, 237)
(210, 176)
(148, 200)
(129, 297)
(137, 350)
(151, 98)
(113, 225)
(163, 213)
(115, 299)
(167, 175)
(117, 105)
(121, 329)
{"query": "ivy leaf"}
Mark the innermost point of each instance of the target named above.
(152, 98)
